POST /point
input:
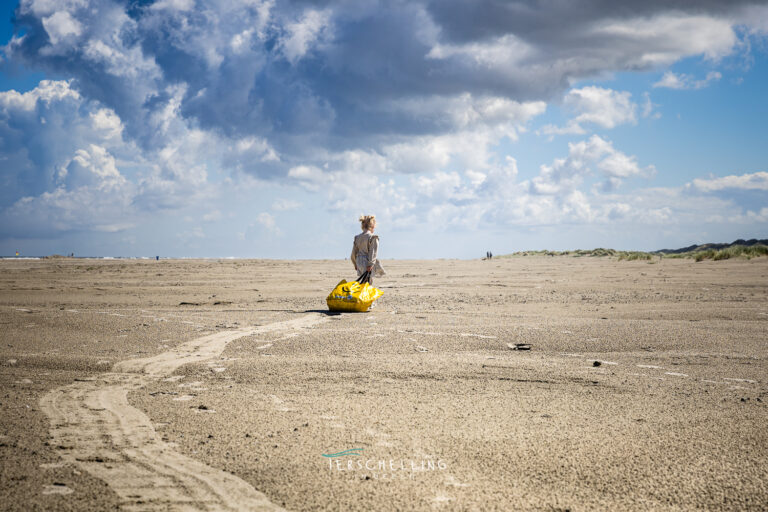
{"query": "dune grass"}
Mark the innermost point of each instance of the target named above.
(734, 251)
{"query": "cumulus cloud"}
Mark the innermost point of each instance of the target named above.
(267, 220)
(406, 101)
(357, 72)
(584, 157)
(300, 36)
(595, 105)
(672, 80)
(489, 193)
(753, 181)
(64, 155)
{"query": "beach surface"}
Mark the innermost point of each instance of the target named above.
(226, 385)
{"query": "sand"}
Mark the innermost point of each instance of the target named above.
(225, 385)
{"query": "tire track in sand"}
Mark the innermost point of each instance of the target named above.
(96, 429)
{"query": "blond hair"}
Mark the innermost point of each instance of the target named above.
(367, 221)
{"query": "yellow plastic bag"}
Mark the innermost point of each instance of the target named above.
(352, 296)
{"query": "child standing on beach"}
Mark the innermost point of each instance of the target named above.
(365, 250)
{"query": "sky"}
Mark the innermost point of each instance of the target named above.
(264, 129)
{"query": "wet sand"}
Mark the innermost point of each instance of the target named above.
(187, 384)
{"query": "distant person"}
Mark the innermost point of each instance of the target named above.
(365, 250)
(490, 255)
(487, 255)
(157, 258)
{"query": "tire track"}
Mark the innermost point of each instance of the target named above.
(96, 429)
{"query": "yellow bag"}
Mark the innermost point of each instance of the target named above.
(352, 296)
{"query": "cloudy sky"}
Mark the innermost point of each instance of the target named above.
(255, 128)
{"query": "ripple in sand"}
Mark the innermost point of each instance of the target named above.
(675, 374)
(451, 480)
(56, 488)
(195, 384)
(53, 465)
(441, 499)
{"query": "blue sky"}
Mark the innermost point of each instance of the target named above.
(252, 128)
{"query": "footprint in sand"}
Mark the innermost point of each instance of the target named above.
(419, 348)
(57, 488)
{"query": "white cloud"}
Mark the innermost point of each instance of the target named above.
(48, 7)
(60, 26)
(649, 107)
(267, 221)
(669, 37)
(174, 5)
(753, 181)
(313, 28)
(671, 80)
(596, 105)
(212, 216)
(281, 204)
(566, 174)
(47, 91)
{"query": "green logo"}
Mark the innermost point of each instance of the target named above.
(351, 451)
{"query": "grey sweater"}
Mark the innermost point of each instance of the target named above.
(365, 251)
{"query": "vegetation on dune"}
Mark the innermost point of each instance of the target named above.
(635, 255)
(734, 251)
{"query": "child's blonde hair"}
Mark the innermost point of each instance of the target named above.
(367, 221)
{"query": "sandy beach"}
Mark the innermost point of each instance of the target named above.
(226, 385)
